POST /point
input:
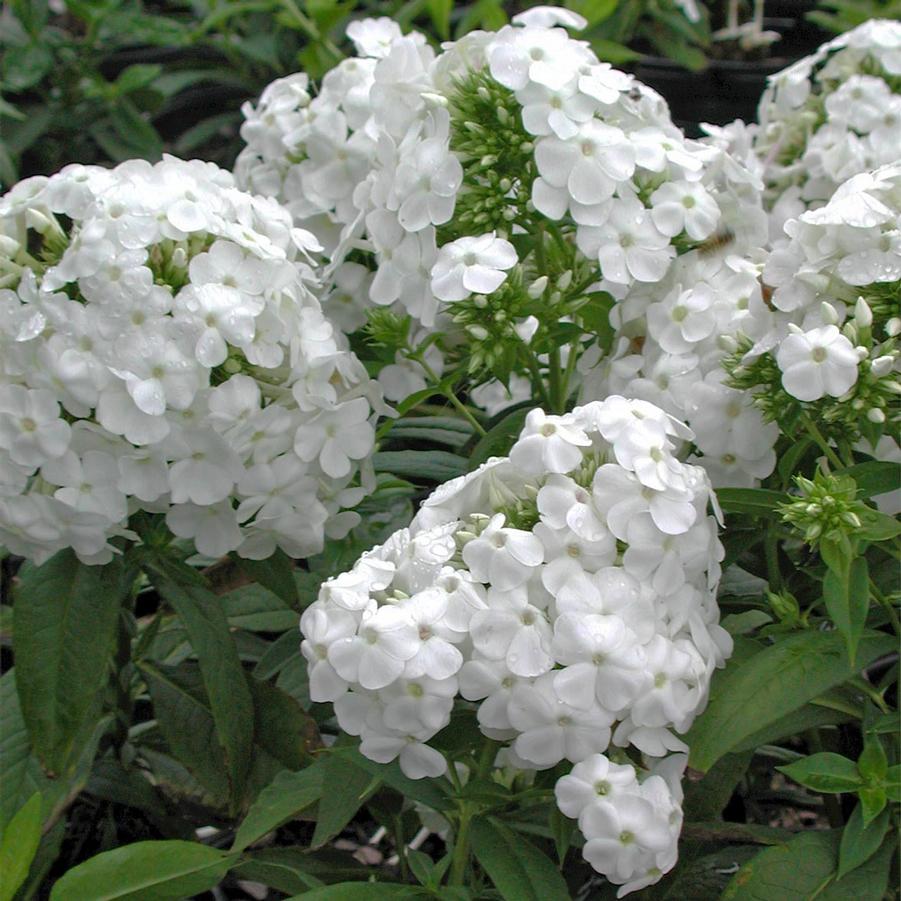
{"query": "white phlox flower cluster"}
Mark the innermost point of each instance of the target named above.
(437, 163)
(565, 593)
(829, 116)
(162, 349)
(631, 827)
(836, 294)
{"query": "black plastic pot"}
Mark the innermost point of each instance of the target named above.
(727, 89)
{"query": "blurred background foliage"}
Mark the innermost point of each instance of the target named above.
(99, 81)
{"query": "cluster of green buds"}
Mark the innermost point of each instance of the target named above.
(827, 506)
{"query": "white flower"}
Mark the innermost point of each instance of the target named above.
(687, 206)
(503, 556)
(335, 437)
(548, 444)
(816, 363)
(31, 430)
(629, 247)
(589, 164)
(214, 527)
(373, 37)
(513, 630)
(376, 655)
(594, 779)
(551, 730)
(437, 657)
(471, 265)
(603, 662)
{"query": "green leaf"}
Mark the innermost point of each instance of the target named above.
(500, 437)
(23, 67)
(133, 78)
(872, 801)
(870, 880)
(873, 763)
(145, 871)
(432, 466)
(425, 791)
(348, 787)
(65, 617)
(257, 609)
(21, 774)
(361, 891)
(439, 12)
(519, 870)
(794, 870)
(18, 846)
(753, 501)
(847, 599)
(893, 783)
(874, 477)
(562, 830)
(275, 573)
(825, 772)
(293, 870)
(877, 526)
(612, 52)
(773, 683)
(231, 704)
(860, 842)
(438, 429)
(285, 797)
(281, 727)
(706, 798)
(182, 711)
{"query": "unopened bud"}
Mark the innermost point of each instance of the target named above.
(784, 605)
(502, 115)
(829, 313)
(882, 366)
(875, 415)
(38, 221)
(9, 246)
(483, 92)
(565, 280)
(179, 257)
(727, 344)
(863, 315)
(536, 289)
(477, 332)
(893, 327)
(480, 300)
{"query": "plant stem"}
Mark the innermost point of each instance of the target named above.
(817, 436)
(461, 847)
(537, 380)
(771, 550)
(457, 403)
(555, 384)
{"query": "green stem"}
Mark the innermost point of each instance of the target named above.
(537, 380)
(555, 384)
(461, 847)
(310, 27)
(889, 607)
(771, 551)
(817, 436)
(457, 403)
(571, 359)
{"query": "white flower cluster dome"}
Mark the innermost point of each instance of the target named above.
(162, 349)
(831, 115)
(836, 293)
(445, 173)
(567, 590)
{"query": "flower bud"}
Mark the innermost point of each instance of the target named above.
(882, 366)
(536, 289)
(829, 313)
(875, 415)
(863, 315)
(478, 332)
